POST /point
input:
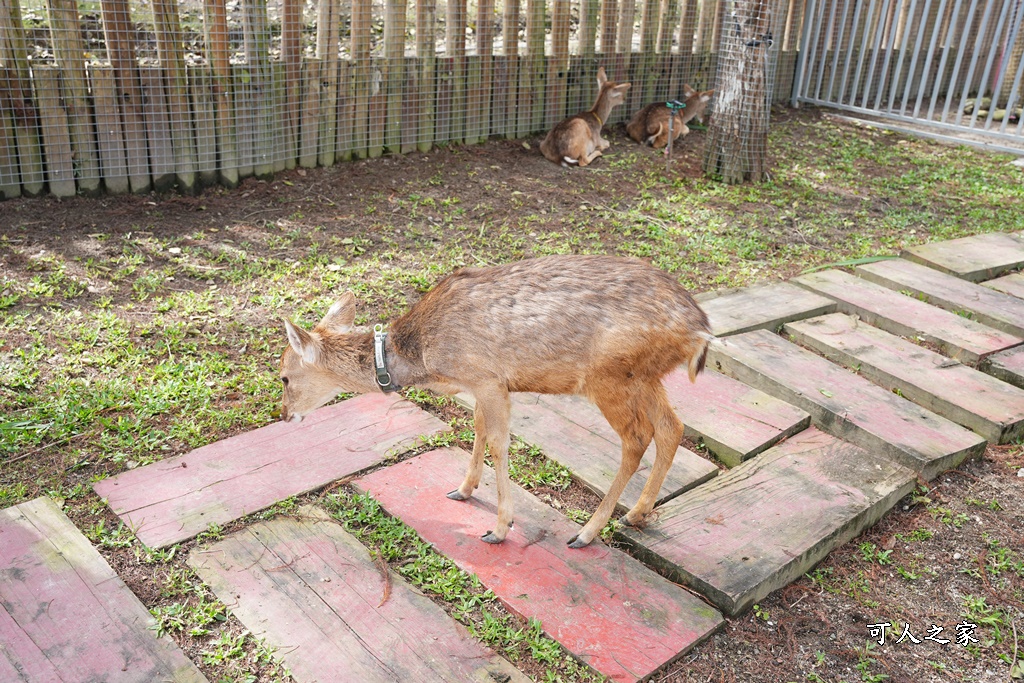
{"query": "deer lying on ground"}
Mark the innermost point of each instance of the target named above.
(649, 126)
(577, 139)
(604, 327)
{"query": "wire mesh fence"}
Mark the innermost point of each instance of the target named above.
(133, 95)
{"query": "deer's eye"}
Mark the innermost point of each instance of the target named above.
(284, 380)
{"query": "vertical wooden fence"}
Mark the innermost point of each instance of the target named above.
(168, 94)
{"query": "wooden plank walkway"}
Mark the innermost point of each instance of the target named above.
(735, 421)
(1007, 366)
(1008, 284)
(975, 258)
(314, 593)
(766, 522)
(966, 340)
(175, 499)
(765, 307)
(992, 408)
(66, 616)
(995, 309)
(603, 606)
(845, 405)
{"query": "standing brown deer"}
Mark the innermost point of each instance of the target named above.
(604, 327)
(650, 125)
(577, 139)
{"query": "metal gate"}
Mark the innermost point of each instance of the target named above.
(952, 67)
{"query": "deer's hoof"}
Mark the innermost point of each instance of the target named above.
(457, 495)
(576, 542)
(489, 537)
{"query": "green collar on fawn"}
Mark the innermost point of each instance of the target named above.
(380, 361)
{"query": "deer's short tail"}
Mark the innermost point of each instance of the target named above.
(566, 161)
(698, 360)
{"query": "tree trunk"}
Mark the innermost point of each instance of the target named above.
(737, 142)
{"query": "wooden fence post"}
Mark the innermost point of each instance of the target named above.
(172, 62)
(426, 79)
(109, 132)
(53, 123)
(327, 51)
(455, 47)
(558, 66)
(14, 51)
(291, 58)
(361, 21)
(481, 102)
(510, 37)
(68, 49)
(216, 26)
(394, 73)
(531, 74)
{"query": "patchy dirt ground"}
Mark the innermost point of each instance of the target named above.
(951, 554)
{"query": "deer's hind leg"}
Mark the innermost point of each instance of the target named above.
(668, 433)
(626, 409)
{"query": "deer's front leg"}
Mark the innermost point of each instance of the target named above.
(476, 465)
(495, 406)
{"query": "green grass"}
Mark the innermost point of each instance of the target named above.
(149, 342)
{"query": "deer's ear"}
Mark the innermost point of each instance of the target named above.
(705, 96)
(302, 343)
(602, 78)
(341, 316)
(688, 91)
(622, 88)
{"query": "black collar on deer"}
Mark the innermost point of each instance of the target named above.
(380, 361)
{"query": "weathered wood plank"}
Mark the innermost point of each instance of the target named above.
(975, 258)
(1008, 284)
(175, 499)
(66, 616)
(636, 621)
(845, 405)
(10, 177)
(735, 421)
(1007, 366)
(109, 132)
(995, 309)
(763, 307)
(966, 396)
(765, 523)
(327, 51)
(17, 84)
(245, 119)
(56, 136)
(158, 128)
(313, 592)
(956, 336)
(377, 111)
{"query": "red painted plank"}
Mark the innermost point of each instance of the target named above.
(735, 421)
(1007, 366)
(995, 309)
(763, 524)
(66, 616)
(313, 592)
(606, 608)
(572, 431)
(966, 340)
(175, 499)
(1008, 284)
(766, 307)
(974, 258)
(846, 405)
(957, 392)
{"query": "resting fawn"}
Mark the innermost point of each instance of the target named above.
(605, 327)
(650, 125)
(577, 139)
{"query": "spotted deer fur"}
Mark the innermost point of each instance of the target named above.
(604, 327)
(649, 126)
(577, 140)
